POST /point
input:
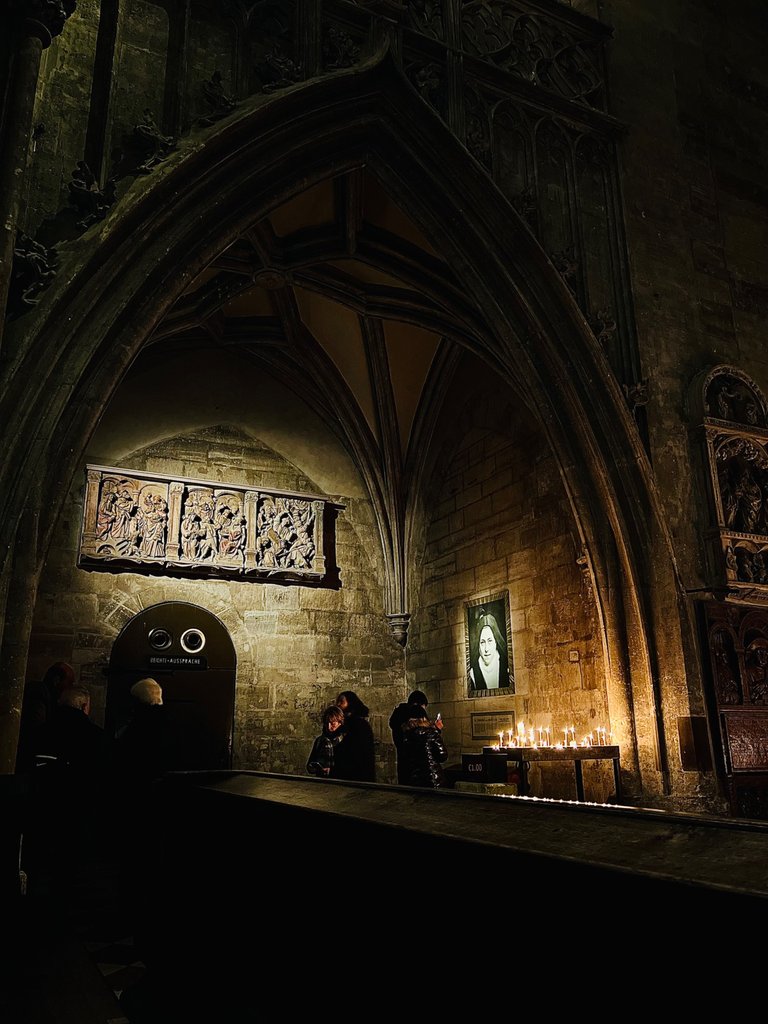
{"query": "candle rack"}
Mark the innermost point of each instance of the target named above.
(522, 756)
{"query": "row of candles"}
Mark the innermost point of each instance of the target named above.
(541, 737)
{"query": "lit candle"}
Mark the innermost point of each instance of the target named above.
(501, 740)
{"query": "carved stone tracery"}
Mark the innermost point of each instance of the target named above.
(134, 520)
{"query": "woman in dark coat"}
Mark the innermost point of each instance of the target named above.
(355, 757)
(422, 752)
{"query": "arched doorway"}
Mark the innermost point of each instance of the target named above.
(190, 653)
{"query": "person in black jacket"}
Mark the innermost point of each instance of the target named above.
(422, 752)
(71, 737)
(39, 702)
(355, 756)
(144, 745)
(322, 756)
(417, 702)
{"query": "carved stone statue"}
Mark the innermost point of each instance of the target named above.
(33, 267)
(219, 103)
(89, 200)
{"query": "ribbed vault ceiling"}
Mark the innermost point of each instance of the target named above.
(344, 298)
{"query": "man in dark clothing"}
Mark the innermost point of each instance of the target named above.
(144, 747)
(40, 700)
(422, 752)
(414, 707)
(70, 736)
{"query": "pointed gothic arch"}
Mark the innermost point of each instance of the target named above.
(104, 306)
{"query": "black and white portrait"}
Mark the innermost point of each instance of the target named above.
(489, 647)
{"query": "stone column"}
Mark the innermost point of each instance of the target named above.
(172, 543)
(34, 24)
(251, 512)
(91, 511)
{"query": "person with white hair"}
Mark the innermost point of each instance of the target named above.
(144, 744)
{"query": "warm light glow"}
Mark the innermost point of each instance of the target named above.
(540, 736)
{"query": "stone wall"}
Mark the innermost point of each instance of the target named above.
(297, 646)
(690, 81)
(496, 518)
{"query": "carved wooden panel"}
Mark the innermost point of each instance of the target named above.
(737, 648)
(747, 741)
(137, 521)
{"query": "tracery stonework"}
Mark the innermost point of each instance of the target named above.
(192, 526)
(736, 431)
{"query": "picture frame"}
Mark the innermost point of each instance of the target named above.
(488, 646)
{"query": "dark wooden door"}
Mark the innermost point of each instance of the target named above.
(191, 655)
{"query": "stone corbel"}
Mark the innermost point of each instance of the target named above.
(398, 626)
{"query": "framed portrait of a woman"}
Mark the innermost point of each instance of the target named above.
(488, 637)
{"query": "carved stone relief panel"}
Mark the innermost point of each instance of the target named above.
(737, 455)
(136, 521)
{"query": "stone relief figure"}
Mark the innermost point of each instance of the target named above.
(154, 516)
(155, 145)
(91, 202)
(230, 526)
(208, 546)
(106, 515)
(302, 547)
(268, 542)
(33, 267)
(726, 681)
(219, 103)
(190, 534)
(125, 524)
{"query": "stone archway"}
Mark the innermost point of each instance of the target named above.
(105, 306)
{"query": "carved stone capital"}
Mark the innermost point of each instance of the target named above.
(44, 19)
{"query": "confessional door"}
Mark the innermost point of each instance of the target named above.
(189, 652)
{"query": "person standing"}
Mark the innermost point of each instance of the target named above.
(71, 737)
(321, 757)
(355, 758)
(39, 702)
(417, 702)
(144, 744)
(422, 751)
